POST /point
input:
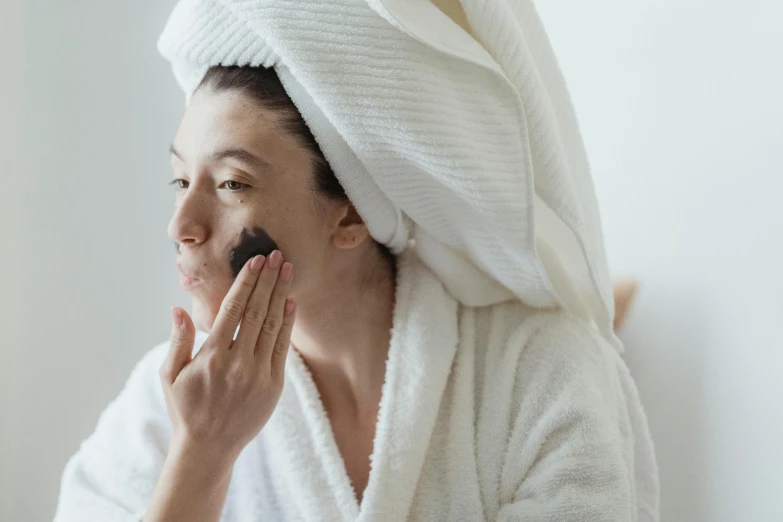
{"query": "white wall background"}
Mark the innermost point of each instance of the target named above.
(88, 112)
(681, 109)
(680, 106)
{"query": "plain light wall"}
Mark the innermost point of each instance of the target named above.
(88, 273)
(10, 284)
(680, 106)
(680, 109)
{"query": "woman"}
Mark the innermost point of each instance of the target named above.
(372, 338)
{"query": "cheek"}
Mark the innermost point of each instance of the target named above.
(252, 242)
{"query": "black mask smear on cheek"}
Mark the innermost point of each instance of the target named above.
(251, 244)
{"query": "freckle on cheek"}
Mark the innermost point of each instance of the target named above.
(251, 243)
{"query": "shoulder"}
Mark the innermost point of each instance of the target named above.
(547, 356)
(544, 340)
(113, 472)
(568, 408)
(568, 346)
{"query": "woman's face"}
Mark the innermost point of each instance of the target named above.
(243, 187)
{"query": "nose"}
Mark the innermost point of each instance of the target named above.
(188, 225)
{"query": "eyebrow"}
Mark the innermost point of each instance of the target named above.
(240, 154)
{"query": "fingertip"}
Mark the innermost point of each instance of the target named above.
(256, 263)
(290, 306)
(187, 322)
(176, 317)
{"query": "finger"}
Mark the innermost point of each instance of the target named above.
(283, 342)
(181, 347)
(274, 317)
(256, 314)
(233, 306)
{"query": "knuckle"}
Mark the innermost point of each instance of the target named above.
(255, 314)
(271, 324)
(232, 310)
(238, 375)
(214, 367)
(248, 284)
(280, 347)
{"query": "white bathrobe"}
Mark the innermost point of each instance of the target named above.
(502, 412)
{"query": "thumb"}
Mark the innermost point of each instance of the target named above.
(181, 348)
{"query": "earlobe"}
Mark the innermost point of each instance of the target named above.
(350, 236)
(351, 230)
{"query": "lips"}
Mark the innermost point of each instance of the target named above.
(186, 278)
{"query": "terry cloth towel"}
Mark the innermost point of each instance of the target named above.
(467, 147)
(502, 413)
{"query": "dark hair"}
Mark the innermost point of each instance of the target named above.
(264, 86)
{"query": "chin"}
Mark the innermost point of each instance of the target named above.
(203, 317)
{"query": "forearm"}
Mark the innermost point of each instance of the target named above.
(190, 488)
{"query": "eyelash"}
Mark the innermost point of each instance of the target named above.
(242, 185)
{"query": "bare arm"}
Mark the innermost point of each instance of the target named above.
(190, 487)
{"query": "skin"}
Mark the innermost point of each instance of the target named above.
(251, 243)
(221, 397)
(230, 207)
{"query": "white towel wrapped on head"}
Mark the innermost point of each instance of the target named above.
(470, 148)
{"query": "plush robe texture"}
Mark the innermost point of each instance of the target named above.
(502, 412)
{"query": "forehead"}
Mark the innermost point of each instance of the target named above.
(214, 118)
(232, 120)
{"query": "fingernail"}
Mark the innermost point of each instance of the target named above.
(286, 272)
(274, 259)
(176, 315)
(257, 263)
(290, 304)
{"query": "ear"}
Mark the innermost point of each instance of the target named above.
(623, 295)
(351, 230)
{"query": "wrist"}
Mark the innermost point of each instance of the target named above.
(193, 457)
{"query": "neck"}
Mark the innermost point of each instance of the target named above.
(343, 333)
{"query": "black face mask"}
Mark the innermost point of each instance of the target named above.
(251, 243)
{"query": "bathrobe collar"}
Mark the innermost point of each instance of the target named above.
(422, 347)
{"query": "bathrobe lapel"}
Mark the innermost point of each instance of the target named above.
(423, 345)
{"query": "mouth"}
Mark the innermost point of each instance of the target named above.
(186, 279)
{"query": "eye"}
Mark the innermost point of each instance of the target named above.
(235, 184)
(176, 183)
